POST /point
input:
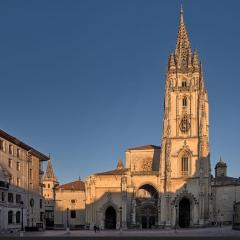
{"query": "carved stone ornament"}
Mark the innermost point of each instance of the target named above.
(185, 124)
(147, 165)
(109, 196)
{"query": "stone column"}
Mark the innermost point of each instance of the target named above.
(168, 206)
(201, 208)
(124, 210)
(124, 202)
(134, 211)
(195, 214)
(159, 211)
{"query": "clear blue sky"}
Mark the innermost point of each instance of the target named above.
(84, 80)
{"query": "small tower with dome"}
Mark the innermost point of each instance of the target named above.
(221, 168)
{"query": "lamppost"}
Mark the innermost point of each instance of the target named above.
(67, 220)
(120, 211)
(234, 213)
(176, 218)
(22, 205)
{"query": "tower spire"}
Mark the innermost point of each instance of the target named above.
(49, 171)
(183, 48)
(181, 13)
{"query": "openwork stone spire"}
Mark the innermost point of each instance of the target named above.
(119, 164)
(49, 172)
(183, 51)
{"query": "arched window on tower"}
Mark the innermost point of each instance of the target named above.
(185, 168)
(184, 101)
(184, 83)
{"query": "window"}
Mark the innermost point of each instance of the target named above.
(18, 198)
(10, 197)
(10, 163)
(18, 182)
(184, 165)
(30, 173)
(73, 201)
(41, 216)
(10, 149)
(18, 153)
(1, 144)
(40, 203)
(48, 185)
(18, 166)
(184, 102)
(18, 216)
(73, 214)
(184, 83)
(10, 217)
(11, 180)
(3, 197)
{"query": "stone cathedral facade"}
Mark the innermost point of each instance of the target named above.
(171, 184)
(164, 186)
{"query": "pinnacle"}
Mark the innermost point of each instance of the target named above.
(183, 48)
(49, 171)
(119, 164)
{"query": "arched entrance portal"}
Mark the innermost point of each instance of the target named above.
(146, 209)
(110, 218)
(184, 213)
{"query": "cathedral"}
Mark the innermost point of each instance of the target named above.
(169, 185)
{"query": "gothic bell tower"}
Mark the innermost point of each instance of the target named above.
(185, 135)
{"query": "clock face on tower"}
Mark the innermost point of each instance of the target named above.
(185, 124)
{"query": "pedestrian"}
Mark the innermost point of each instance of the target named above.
(95, 228)
(221, 220)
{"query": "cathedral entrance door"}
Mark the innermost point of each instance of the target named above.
(146, 206)
(110, 218)
(151, 221)
(184, 213)
(144, 222)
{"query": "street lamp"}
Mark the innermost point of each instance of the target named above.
(67, 220)
(176, 218)
(22, 205)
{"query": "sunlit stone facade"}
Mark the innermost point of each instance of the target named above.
(163, 186)
(20, 184)
(168, 185)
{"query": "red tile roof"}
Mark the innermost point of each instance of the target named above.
(145, 147)
(76, 185)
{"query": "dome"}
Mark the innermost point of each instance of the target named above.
(221, 163)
